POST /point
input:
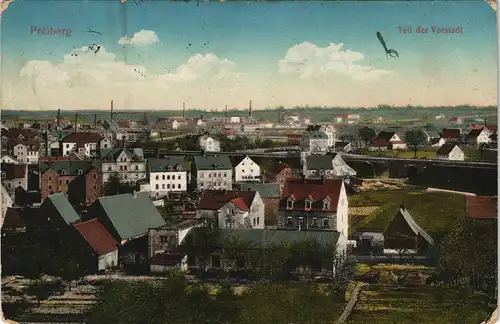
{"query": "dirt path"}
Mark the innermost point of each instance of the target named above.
(350, 305)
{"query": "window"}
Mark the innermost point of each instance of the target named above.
(157, 187)
(258, 219)
(219, 174)
(289, 221)
(289, 204)
(136, 168)
(179, 186)
(168, 177)
(168, 186)
(50, 187)
(201, 174)
(163, 239)
(163, 177)
(314, 222)
(63, 172)
(94, 176)
(179, 177)
(326, 222)
(308, 204)
(216, 261)
(163, 186)
(326, 205)
(254, 222)
(50, 178)
(242, 170)
(60, 182)
(225, 174)
(67, 146)
(110, 168)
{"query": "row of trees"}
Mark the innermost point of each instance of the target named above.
(176, 300)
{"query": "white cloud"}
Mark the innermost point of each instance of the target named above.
(86, 78)
(141, 38)
(310, 61)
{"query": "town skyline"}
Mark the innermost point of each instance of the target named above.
(144, 61)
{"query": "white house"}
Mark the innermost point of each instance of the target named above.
(25, 151)
(331, 165)
(450, 151)
(7, 202)
(179, 123)
(311, 204)
(127, 163)
(438, 143)
(314, 141)
(85, 143)
(9, 160)
(479, 136)
(212, 172)
(167, 175)
(208, 143)
(13, 176)
(106, 143)
(245, 170)
(232, 209)
(234, 119)
(388, 140)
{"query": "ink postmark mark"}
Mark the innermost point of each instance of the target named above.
(437, 30)
(50, 31)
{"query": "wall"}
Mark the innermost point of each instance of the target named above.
(456, 154)
(223, 179)
(161, 181)
(110, 259)
(247, 170)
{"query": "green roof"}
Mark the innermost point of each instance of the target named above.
(258, 238)
(64, 208)
(131, 216)
(319, 162)
(316, 134)
(170, 164)
(266, 190)
(212, 162)
(110, 155)
(69, 167)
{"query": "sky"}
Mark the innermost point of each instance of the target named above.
(157, 55)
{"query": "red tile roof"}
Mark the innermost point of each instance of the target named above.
(451, 133)
(481, 207)
(94, 232)
(13, 218)
(316, 190)
(14, 171)
(240, 203)
(14, 133)
(215, 199)
(82, 138)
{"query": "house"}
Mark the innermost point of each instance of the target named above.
(212, 172)
(329, 130)
(128, 164)
(308, 204)
(451, 134)
(231, 209)
(431, 136)
(82, 180)
(13, 176)
(437, 142)
(343, 147)
(314, 141)
(450, 151)
(13, 221)
(279, 173)
(208, 143)
(55, 213)
(260, 239)
(404, 234)
(481, 207)
(104, 248)
(21, 134)
(8, 159)
(270, 193)
(167, 175)
(246, 170)
(387, 140)
(6, 202)
(126, 216)
(164, 243)
(24, 151)
(479, 136)
(331, 165)
(86, 143)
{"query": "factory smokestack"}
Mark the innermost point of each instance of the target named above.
(225, 115)
(95, 120)
(250, 109)
(76, 122)
(183, 109)
(111, 113)
(58, 118)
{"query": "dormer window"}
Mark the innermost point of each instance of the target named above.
(63, 172)
(80, 171)
(326, 204)
(289, 204)
(4, 175)
(308, 204)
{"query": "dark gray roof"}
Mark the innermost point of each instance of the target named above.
(131, 216)
(414, 226)
(170, 164)
(316, 134)
(110, 155)
(432, 134)
(319, 162)
(64, 208)
(259, 238)
(266, 190)
(212, 162)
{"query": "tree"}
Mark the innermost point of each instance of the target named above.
(70, 270)
(366, 134)
(415, 138)
(482, 147)
(115, 187)
(167, 211)
(40, 289)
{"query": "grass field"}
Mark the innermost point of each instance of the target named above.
(471, 153)
(383, 304)
(435, 212)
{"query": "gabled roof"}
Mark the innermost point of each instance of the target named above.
(481, 207)
(314, 190)
(170, 164)
(385, 135)
(70, 168)
(319, 162)
(31, 144)
(98, 237)
(212, 162)
(215, 199)
(110, 155)
(474, 133)
(316, 135)
(451, 133)
(82, 138)
(240, 203)
(432, 134)
(266, 190)
(238, 159)
(64, 208)
(276, 168)
(261, 238)
(131, 216)
(414, 226)
(13, 218)
(14, 171)
(14, 133)
(446, 148)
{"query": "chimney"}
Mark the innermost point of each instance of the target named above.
(95, 120)
(322, 178)
(47, 146)
(58, 118)
(402, 207)
(111, 113)
(485, 122)
(225, 115)
(250, 109)
(76, 122)
(183, 109)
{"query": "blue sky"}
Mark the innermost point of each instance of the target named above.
(247, 41)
